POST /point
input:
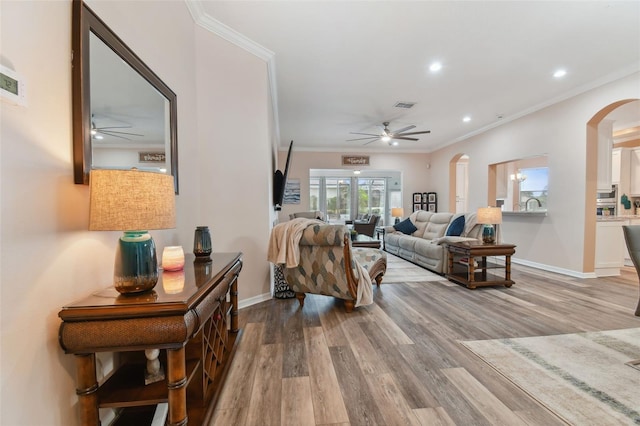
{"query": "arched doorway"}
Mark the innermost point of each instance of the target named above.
(459, 183)
(589, 252)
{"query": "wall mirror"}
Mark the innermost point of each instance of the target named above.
(520, 186)
(124, 116)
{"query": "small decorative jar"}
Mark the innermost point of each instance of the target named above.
(202, 242)
(173, 258)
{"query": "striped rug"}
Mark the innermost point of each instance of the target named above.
(401, 271)
(584, 378)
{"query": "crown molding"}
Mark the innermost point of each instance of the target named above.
(201, 18)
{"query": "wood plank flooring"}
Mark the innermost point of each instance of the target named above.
(399, 361)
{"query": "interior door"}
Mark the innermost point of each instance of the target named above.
(462, 186)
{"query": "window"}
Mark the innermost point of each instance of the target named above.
(520, 185)
(533, 188)
(342, 196)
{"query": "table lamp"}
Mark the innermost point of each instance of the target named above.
(397, 212)
(489, 216)
(134, 202)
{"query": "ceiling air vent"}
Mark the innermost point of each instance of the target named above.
(405, 105)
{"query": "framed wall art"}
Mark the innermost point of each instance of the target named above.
(417, 197)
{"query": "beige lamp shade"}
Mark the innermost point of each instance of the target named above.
(489, 215)
(397, 212)
(129, 200)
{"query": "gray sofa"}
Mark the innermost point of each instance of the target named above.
(427, 246)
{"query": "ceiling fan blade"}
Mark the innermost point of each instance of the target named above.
(414, 133)
(404, 139)
(113, 133)
(367, 143)
(361, 139)
(368, 134)
(404, 129)
(113, 127)
(115, 136)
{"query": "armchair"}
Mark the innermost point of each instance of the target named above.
(330, 266)
(367, 227)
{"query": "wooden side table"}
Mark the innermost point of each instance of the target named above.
(193, 316)
(380, 230)
(484, 274)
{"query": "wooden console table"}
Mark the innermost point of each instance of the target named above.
(196, 323)
(485, 274)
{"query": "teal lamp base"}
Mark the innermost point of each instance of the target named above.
(136, 264)
(488, 234)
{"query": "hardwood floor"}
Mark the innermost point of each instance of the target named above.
(399, 361)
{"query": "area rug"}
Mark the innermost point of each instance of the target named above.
(401, 271)
(584, 378)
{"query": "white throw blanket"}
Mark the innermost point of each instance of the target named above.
(365, 287)
(284, 240)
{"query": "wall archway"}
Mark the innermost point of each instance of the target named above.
(453, 180)
(589, 253)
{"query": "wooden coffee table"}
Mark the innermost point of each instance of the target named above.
(484, 274)
(365, 241)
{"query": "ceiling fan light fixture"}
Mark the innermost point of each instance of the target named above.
(393, 143)
(435, 67)
(386, 138)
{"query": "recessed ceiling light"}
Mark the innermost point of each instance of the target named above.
(560, 73)
(435, 67)
(466, 119)
(393, 143)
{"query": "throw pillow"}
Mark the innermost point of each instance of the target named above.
(456, 227)
(406, 227)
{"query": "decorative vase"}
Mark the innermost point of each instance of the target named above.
(202, 242)
(136, 264)
(488, 234)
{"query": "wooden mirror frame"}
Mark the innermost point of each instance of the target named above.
(85, 22)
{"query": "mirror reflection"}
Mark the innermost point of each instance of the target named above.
(522, 185)
(129, 117)
(124, 116)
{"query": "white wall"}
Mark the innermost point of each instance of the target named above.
(414, 168)
(235, 157)
(560, 131)
(48, 257)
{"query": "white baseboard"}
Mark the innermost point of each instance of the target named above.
(569, 272)
(253, 300)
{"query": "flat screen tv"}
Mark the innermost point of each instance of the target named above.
(280, 181)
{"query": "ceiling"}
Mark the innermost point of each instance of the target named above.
(341, 66)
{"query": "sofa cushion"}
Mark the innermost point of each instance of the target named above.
(406, 227)
(420, 219)
(456, 227)
(437, 225)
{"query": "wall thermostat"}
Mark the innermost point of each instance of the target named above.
(12, 87)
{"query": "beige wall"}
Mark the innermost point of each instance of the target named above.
(414, 168)
(556, 241)
(47, 256)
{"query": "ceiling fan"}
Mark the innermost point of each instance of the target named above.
(98, 132)
(390, 136)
